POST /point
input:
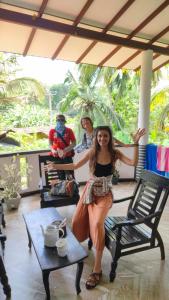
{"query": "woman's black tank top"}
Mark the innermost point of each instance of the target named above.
(103, 170)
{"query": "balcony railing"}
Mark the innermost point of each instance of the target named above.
(31, 182)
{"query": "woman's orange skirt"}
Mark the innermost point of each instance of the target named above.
(88, 219)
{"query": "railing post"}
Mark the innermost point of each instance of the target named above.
(141, 160)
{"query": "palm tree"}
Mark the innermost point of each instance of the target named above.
(20, 89)
(14, 90)
(88, 96)
(160, 107)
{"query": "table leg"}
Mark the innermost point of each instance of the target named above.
(29, 239)
(2, 241)
(45, 275)
(3, 221)
(4, 279)
(78, 276)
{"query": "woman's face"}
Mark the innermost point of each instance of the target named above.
(86, 124)
(103, 137)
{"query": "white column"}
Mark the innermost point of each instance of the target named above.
(145, 94)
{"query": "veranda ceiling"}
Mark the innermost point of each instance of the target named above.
(101, 32)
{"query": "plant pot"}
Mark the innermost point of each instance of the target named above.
(13, 203)
(115, 180)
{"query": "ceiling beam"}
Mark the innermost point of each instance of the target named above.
(160, 66)
(153, 40)
(75, 23)
(33, 31)
(27, 20)
(125, 62)
(155, 56)
(107, 28)
(29, 41)
(138, 28)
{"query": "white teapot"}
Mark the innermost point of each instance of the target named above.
(51, 235)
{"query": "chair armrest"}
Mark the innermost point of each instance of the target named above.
(123, 199)
(2, 237)
(133, 222)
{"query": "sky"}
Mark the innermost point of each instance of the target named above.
(45, 70)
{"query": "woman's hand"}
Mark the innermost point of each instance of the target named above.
(139, 133)
(61, 153)
(54, 152)
(50, 166)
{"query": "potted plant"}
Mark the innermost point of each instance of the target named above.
(115, 178)
(11, 184)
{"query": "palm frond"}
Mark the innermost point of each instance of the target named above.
(20, 85)
(163, 116)
(9, 100)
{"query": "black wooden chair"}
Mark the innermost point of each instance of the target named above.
(2, 221)
(138, 231)
(47, 200)
(3, 276)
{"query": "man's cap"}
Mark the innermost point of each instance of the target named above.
(60, 118)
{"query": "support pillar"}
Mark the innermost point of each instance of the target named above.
(144, 106)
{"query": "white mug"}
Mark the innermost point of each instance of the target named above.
(61, 245)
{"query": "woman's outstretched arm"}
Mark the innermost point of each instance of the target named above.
(73, 166)
(134, 161)
(134, 135)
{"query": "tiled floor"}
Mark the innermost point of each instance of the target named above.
(139, 277)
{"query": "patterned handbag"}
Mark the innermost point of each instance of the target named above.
(64, 188)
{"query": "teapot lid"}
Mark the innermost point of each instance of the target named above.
(51, 227)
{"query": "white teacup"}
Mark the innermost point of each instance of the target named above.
(61, 245)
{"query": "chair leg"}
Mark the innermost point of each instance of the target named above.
(42, 204)
(2, 241)
(2, 213)
(114, 263)
(3, 221)
(90, 244)
(4, 279)
(112, 274)
(160, 242)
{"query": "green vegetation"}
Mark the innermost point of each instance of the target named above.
(107, 95)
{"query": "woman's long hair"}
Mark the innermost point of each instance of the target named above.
(96, 149)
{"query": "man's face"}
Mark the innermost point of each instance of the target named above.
(60, 120)
(60, 124)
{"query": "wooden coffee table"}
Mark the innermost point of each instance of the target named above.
(47, 257)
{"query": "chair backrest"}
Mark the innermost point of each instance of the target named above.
(1, 212)
(45, 177)
(150, 196)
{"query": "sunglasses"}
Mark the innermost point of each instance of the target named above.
(60, 120)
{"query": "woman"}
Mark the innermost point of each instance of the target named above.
(97, 196)
(89, 134)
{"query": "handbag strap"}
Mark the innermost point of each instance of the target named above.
(62, 138)
(85, 139)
